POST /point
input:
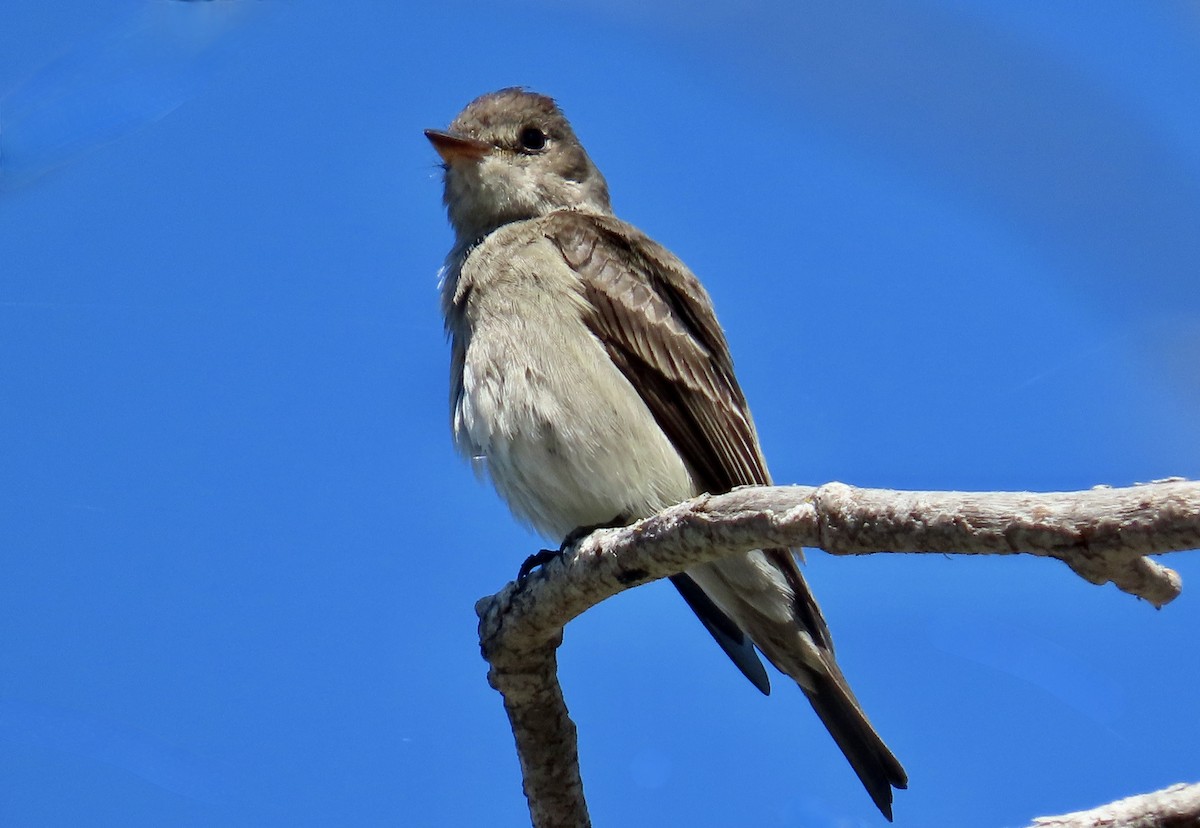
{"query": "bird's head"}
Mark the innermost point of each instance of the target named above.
(511, 155)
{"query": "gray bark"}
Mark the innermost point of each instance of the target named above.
(1175, 807)
(1103, 534)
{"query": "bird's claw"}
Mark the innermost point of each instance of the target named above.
(537, 559)
(545, 556)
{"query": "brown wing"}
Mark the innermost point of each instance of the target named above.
(658, 325)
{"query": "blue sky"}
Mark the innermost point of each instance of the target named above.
(954, 245)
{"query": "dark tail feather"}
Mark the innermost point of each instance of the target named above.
(875, 765)
(727, 634)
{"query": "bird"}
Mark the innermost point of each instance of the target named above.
(592, 383)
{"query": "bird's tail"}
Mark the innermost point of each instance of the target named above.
(763, 594)
(816, 671)
(876, 766)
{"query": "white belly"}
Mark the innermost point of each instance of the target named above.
(560, 431)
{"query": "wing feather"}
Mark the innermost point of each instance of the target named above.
(657, 324)
(656, 321)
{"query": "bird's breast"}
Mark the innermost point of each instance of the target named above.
(564, 436)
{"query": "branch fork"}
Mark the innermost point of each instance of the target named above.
(1103, 534)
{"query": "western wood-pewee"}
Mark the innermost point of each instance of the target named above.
(590, 379)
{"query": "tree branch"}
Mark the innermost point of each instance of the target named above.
(1175, 807)
(1102, 534)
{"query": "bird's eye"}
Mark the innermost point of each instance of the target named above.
(532, 139)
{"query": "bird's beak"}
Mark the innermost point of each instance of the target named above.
(454, 147)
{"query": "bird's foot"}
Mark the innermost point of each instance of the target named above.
(537, 559)
(580, 532)
(545, 556)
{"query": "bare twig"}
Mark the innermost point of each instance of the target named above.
(1175, 807)
(1103, 534)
